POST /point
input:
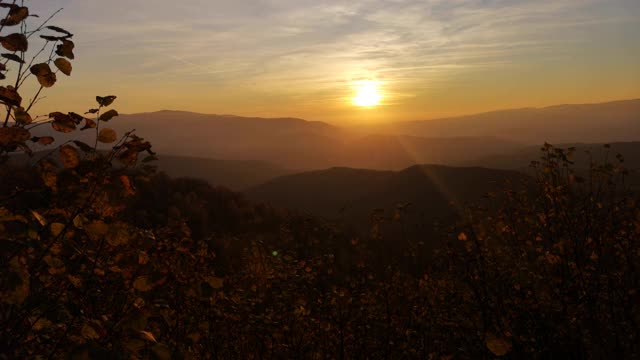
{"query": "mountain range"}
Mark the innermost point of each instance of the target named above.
(296, 144)
(615, 121)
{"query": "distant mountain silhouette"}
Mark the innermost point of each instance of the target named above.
(292, 143)
(233, 174)
(593, 123)
(430, 192)
(520, 159)
(308, 145)
(395, 152)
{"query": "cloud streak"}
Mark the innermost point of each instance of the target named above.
(308, 46)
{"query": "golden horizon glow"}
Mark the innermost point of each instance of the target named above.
(368, 94)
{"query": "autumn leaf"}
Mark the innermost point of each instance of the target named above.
(48, 170)
(499, 346)
(108, 115)
(63, 65)
(66, 49)
(214, 282)
(143, 258)
(56, 265)
(78, 222)
(39, 217)
(45, 140)
(107, 136)
(127, 185)
(43, 73)
(13, 57)
(13, 135)
(15, 16)
(9, 96)
(96, 230)
(118, 234)
(146, 335)
(60, 30)
(56, 229)
(106, 100)
(62, 123)
(70, 156)
(22, 117)
(90, 331)
(89, 124)
(76, 281)
(128, 157)
(42, 324)
(142, 283)
(52, 38)
(15, 42)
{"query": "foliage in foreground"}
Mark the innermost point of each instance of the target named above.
(551, 274)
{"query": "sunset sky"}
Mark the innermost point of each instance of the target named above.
(301, 58)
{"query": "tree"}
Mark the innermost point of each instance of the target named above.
(77, 278)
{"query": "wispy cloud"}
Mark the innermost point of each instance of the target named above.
(311, 44)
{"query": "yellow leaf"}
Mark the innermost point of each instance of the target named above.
(499, 346)
(118, 234)
(148, 336)
(23, 117)
(9, 96)
(70, 156)
(56, 229)
(63, 65)
(77, 222)
(75, 280)
(15, 16)
(43, 73)
(89, 332)
(46, 140)
(15, 42)
(96, 230)
(39, 217)
(13, 135)
(42, 324)
(142, 283)
(62, 122)
(107, 136)
(215, 282)
(108, 115)
(127, 185)
(143, 258)
(66, 49)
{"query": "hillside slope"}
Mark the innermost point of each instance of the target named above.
(591, 123)
(425, 193)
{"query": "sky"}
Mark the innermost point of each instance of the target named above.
(304, 58)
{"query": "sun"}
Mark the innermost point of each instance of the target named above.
(368, 94)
